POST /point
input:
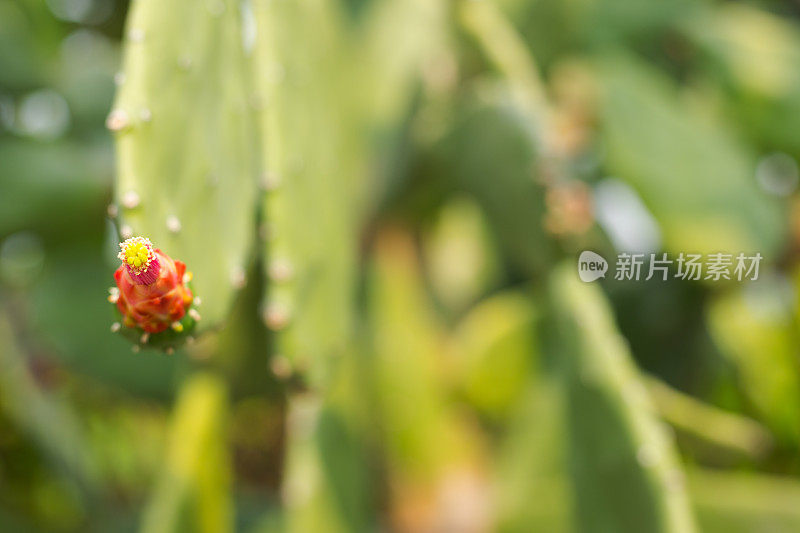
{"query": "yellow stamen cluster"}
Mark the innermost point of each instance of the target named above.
(137, 252)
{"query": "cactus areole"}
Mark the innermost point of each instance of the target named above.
(152, 295)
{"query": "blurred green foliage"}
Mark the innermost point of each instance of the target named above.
(382, 202)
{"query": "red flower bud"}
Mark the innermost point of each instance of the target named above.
(152, 291)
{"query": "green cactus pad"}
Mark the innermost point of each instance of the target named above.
(183, 125)
(615, 437)
(311, 178)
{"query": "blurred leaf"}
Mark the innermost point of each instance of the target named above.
(555, 29)
(57, 188)
(758, 49)
(193, 493)
(327, 481)
(271, 522)
(126, 437)
(533, 489)
(460, 255)
(497, 352)
(325, 485)
(48, 420)
(427, 449)
(10, 522)
(506, 50)
(756, 332)
(624, 469)
(738, 502)
(185, 159)
(407, 362)
(28, 34)
(718, 434)
(756, 54)
(695, 177)
(89, 61)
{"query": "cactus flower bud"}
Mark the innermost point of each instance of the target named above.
(140, 260)
(153, 295)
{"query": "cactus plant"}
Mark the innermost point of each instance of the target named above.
(311, 178)
(478, 388)
(185, 155)
(614, 436)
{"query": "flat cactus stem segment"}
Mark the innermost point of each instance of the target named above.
(310, 178)
(615, 437)
(184, 138)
